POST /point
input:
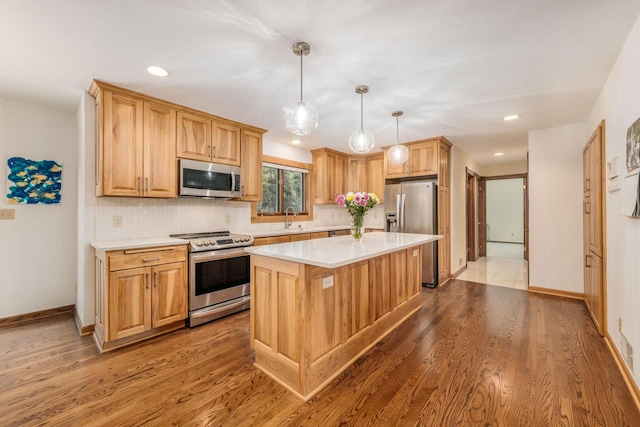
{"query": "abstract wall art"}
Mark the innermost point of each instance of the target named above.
(633, 146)
(33, 181)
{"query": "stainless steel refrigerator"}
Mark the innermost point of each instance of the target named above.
(411, 207)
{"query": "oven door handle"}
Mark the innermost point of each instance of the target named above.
(221, 254)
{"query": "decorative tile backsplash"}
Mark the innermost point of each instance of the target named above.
(134, 218)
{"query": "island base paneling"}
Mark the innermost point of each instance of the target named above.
(310, 323)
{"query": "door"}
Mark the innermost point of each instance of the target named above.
(129, 304)
(593, 217)
(472, 245)
(169, 293)
(160, 166)
(392, 194)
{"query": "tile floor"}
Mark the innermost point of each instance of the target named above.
(504, 266)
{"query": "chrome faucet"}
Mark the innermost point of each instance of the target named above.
(287, 223)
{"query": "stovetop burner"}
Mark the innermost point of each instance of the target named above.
(214, 240)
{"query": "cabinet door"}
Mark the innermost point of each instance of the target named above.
(122, 146)
(357, 175)
(261, 241)
(375, 174)
(169, 294)
(423, 159)
(444, 219)
(251, 154)
(337, 174)
(379, 277)
(392, 170)
(194, 137)
(129, 305)
(225, 144)
(596, 167)
(160, 167)
(299, 237)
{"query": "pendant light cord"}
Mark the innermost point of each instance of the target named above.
(301, 56)
(397, 130)
(361, 111)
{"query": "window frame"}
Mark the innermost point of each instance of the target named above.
(308, 196)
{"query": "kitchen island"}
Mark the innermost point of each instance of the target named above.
(318, 305)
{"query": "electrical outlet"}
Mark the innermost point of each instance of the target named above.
(7, 214)
(627, 351)
(327, 282)
(117, 221)
(227, 218)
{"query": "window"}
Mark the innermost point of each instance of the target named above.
(283, 186)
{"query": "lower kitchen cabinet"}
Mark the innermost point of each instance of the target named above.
(294, 237)
(140, 293)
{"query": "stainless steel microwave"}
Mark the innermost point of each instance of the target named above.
(204, 179)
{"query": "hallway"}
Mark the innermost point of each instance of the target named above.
(503, 266)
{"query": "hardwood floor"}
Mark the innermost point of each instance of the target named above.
(473, 355)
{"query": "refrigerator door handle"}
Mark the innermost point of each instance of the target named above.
(398, 213)
(402, 214)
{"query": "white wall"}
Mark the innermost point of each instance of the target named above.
(619, 105)
(86, 211)
(555, 207)
(511, 168)
(505, 210)
(459, 161)
(38, 248)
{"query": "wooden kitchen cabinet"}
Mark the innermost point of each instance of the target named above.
(375, 175)
(140, 293)
(194, 136)
(357, 174)
(444, 209)
(289, 237)
(139, 139)
(423, 160)
(135, 152)
(207, 140)
(329, 175)
(271, 240)
(251, 164)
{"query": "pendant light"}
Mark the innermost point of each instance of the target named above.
(301, 118)
(398, 154)
(361, 140)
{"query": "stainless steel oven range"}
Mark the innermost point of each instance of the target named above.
(219, 274)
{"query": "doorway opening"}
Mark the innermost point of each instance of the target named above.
(497, 232)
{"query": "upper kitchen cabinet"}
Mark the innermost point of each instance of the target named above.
(194, 136)
(375, 175)
(357, 174)
(329, 175)
(135, 145)
(251, 164)
(200, 138)
(140, 138)
(423, 160)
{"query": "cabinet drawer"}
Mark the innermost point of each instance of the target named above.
(134, 258)
(261, 241)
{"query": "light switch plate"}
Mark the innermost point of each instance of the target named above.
(7, 214)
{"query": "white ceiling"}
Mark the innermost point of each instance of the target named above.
(456, 67)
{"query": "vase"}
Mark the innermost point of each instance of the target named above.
(357, 226)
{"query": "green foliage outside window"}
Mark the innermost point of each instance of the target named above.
(282, 188)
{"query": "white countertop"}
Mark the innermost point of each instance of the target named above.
(343, 250)
(295, 230)
(116, 245)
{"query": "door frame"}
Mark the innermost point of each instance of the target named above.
(483, 210)
(471, 214)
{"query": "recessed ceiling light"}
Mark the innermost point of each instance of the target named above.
(498, 154)
(157, 71)
(296, 141)
(512, 117)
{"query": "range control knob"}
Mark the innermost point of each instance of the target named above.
(198, 244)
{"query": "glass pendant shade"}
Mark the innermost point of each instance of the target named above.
(361, 141)
(398, 154)
(301, 118)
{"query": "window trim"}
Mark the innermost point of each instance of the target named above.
(255, 218)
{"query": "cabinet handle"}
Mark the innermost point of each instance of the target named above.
(209, 151)
(587, 207)
(151, 259)
(587, 184)
(242, 190)
(146, 184)
(155, 280)
(148, 280)
(215, 152)
(586, 261)
(139, 183)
